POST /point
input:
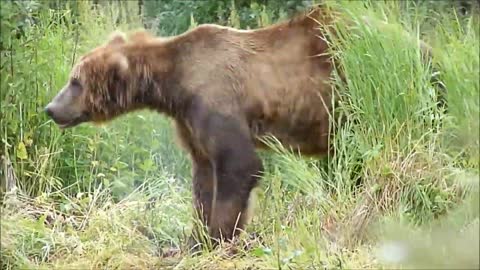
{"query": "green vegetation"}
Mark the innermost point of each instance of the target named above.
(400, 191)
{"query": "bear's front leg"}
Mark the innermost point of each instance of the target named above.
(202, 186)
(226, 142)
(236, 169)
(202, 198)
(221, 191)
(236, 172)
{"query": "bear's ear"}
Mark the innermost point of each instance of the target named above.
(117, 38)
(141, 36)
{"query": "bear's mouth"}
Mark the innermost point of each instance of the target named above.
(74, 122)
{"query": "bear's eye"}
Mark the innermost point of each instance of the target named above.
(75, 82)
(75, 87)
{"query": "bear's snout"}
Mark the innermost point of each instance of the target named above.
(53, 112)
(48, 110)
(65, 117)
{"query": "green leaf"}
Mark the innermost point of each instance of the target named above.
(106, 182)
(21, 151)
(261, 251)
(147, 165)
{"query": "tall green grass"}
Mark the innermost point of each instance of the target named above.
(118, 196)
(30, 71)
(388, 103)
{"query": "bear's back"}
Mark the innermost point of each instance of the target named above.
(275, 76)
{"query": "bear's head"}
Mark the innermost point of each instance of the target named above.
(99, 87)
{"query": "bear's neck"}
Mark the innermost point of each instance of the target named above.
(158, 82)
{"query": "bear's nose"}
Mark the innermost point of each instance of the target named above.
(48, 111)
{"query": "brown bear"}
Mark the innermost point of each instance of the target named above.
(225, 89)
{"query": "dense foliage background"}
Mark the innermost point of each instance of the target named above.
(115, 196)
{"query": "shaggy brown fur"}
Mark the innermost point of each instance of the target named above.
(225, 88)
